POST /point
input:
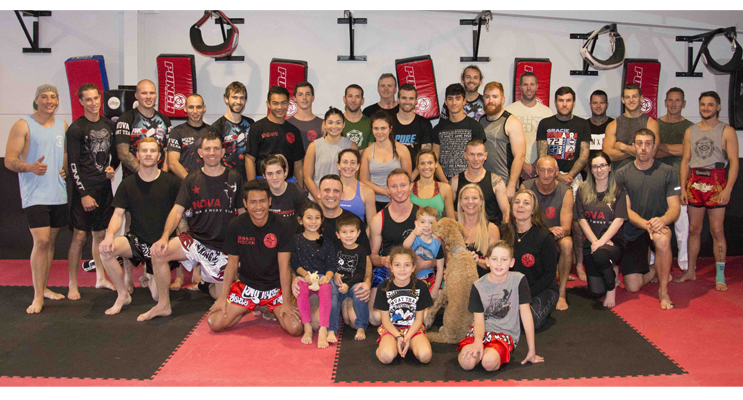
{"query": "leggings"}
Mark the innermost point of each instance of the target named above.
(599, 268)
(303, 303)
(542, 305)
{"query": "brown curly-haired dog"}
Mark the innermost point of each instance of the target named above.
(459, 275)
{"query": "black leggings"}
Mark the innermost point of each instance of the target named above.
(542, 305)
(599, 268)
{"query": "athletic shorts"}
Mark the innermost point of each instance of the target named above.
(40, 216)
(428, 276)
(141, 253)
(703, 187)
(635, 260)
(212, 261)
(245, 296)
(403, 331)
(96, 220)
(379, 275)
(500, 342)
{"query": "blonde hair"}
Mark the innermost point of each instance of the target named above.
(482, 239)
(427, 210)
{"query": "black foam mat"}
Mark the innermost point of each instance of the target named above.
(75, 339)
(585, 341)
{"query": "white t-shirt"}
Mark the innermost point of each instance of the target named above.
(530, 118)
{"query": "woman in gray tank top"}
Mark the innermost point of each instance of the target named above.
(385, 156)
(322, 154)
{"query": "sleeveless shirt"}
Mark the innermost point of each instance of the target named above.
(394, 233)
(492, 210)
(326, 157)
(551, 204)
(50, 188)
(498, 146)
(379, 171)
(672, 133)
(626, 128)
(355, 205)
(706, 147)
(437, 201)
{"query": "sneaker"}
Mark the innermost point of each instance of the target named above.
(88, 266)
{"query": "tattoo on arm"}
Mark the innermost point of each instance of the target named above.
(129, 161)
(581, 161)
(541, 147)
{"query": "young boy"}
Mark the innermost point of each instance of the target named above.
(353, 262)
(427, 247)
(494, 299)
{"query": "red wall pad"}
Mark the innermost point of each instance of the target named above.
(85, 69)
(287, 73)
(646, 73)
(418, 71)
(176, 80)
(542, 68)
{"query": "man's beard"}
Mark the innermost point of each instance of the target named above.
(490, 111)
(236, 109)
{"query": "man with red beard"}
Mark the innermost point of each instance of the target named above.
(506, 145)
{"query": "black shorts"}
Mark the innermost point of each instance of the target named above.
(635, 260)
(41, 216)
(141, 253)
(96, 220)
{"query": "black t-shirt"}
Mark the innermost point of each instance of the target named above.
(536, 257)
(132, 127)
(149, 203)
(311, 257)
(258, 249)
(564, 139)
(235, 142)
(402, 303)
(210, 203)
(90, 149)
(414, 134)
(352, 264)
(329, 231)
(186, 139)
(597, 133)
(288, 203)
(267, 138)
(600, 215)
(369, 111)
(453, 138)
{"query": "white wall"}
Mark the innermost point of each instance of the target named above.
(131, 40)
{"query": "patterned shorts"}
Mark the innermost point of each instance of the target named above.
(703, 187)
(245, 296)
(403, 331)
(500, 342)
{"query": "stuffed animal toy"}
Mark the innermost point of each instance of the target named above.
(313, 281)
(459, 275)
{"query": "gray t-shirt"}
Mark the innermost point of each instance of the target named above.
(503, 300)
(644, 188)
(310, 130)
(551, 204)
(673, 133)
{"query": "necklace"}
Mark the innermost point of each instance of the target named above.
(521, 236)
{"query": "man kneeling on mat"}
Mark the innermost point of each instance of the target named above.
(496, 330)
(261, 244)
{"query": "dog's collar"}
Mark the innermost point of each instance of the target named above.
(457, 249)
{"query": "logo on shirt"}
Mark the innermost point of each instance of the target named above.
(196, 189)
(290, 137)
(270, 240)
(527, 260)
(550, 212)
(249, 240)
(311, 135)
(704, 147)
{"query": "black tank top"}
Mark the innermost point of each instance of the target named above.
(492, 210)
(394, 233)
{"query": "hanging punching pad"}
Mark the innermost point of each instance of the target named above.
(418, 71)
(644, 72)
(542, 68)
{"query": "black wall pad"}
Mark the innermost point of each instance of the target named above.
(75, 339)
(585, 341)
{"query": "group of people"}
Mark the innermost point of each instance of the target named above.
(343, 206)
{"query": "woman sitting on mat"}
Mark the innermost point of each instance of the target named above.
(357, 197)
(535, 253)
(479, 233)
(382, 157)
(601, 209)
(429, 192)
(321, 157)
(402, 299)
(497, 326)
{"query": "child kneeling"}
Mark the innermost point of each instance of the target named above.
(496, 330)
(402, 300)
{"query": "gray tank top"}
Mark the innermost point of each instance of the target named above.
(673, 133)
(706, 147)
(498, 146)
(551, 204)
(626, 128)
(326, 157)
(379, 171)
(50, 188)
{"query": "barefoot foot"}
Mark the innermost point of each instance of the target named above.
(307, 337)
(360, 334)
(322, 337)
(155, 312)
(571, 277)
(562, 304)
(104, 284)
(35, 307)
(611, 298)
(143, 281)
(48, 294)
(688, 275)
(721, 286)
(177, 283)
(120, 302)
(331, 338)
(581, 271)
(73, 293)
(665, 303)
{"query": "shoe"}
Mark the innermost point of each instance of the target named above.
(88, 266)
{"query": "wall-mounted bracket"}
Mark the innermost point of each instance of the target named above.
(351, 21)
(691, 62)
(485, 17)
(33, 41)
(236, 21)
(584, 37)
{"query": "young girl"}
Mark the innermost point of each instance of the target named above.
(402, 299)
(321, 156)
(313, 254)
(286, 197)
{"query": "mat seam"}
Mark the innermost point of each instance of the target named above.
(179, 345)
